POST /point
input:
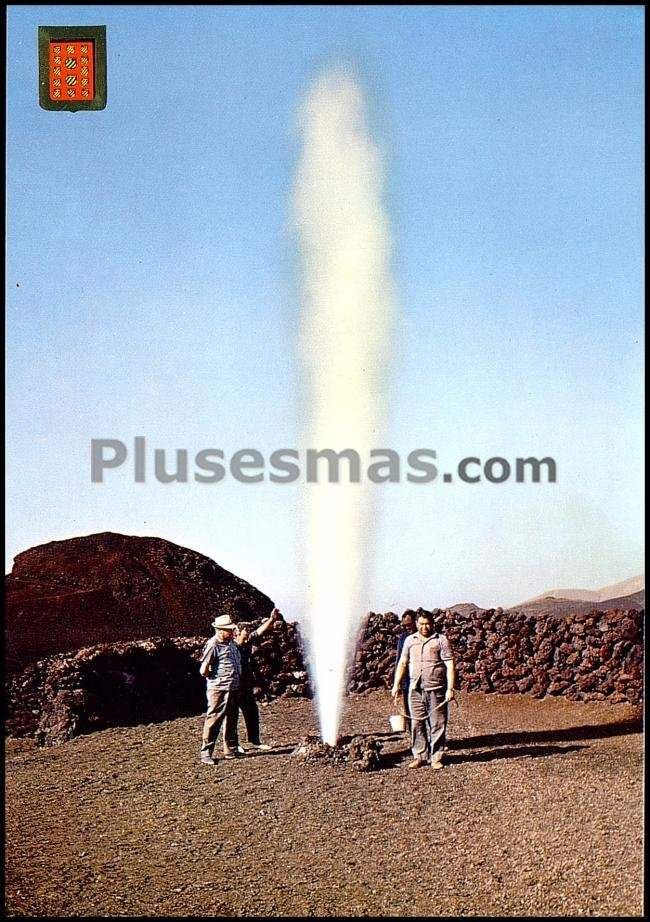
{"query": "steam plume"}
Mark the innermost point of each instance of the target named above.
(347, 309)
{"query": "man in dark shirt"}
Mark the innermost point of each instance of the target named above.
(408, 628)
(244, 640)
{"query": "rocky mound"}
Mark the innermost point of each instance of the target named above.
(362, 753)
(108, 587)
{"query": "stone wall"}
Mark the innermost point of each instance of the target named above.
(591, 656)
(128, 683)
(586, 656)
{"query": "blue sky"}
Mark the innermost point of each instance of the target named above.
(151, 286)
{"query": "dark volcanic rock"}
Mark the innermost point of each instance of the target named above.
(361, 752)
(108, 629)
(105, 588)
(578, 656)
(137, 682)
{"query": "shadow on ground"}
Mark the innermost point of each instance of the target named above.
(560, 735)
(274, 751)
(393, 759)
(531, 744)
(512, 752)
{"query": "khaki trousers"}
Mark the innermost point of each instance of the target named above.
(429, 724)
(222, 703)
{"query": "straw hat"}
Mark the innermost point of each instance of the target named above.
(223, 623)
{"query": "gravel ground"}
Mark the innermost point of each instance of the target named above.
(537, 812)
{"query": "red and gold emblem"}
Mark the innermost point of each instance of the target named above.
(72, 71)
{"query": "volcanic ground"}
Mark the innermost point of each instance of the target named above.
(537, 812)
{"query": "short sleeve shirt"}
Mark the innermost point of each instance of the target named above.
(425, 657)
(225, 664)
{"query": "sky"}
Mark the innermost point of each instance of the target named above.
(152, 285)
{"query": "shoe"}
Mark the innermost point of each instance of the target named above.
(232, 754)
(437, 765)
(416, 763)
(260, 747)
(207, 760)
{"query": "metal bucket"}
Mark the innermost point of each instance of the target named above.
(397, 723)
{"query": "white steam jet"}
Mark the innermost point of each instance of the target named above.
(347, 308)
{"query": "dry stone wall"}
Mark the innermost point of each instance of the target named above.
(592, 656)
(586, 656)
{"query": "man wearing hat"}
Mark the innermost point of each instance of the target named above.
(221, 667)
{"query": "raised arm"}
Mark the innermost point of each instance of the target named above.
(266, 624)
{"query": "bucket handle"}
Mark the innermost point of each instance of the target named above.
(437, 708)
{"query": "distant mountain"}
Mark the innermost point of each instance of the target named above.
(634, 600)
(627, 587)
(624, 595)
(616, 591)
(553, 606)
(465, 608)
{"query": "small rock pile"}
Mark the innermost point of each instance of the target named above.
(362, 753)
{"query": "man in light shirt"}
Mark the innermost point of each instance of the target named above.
(221, 667)
(429, 659)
